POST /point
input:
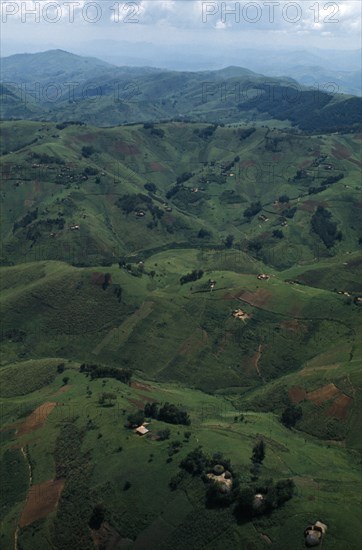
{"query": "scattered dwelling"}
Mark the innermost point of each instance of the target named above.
(240, 314)
(258, 501)
(142, 430)
(195, 190)
(74, 227)
(284, 224)
(314, 533)
(140, 213)
(224, 480)
(212, 284)
(263, 218)
(263, 277)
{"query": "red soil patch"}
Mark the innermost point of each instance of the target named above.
(29, 442)
(247, 164)
(28, 203)
(323, 394)
(126, 149)
(311, 206)
(293, 325)
(297, 394)
(157, 167)
(42, 500)
(87, 138)
(98, 278)
(193, 343)
(357, 162)
(63, 389)
(340, 152)
(36, 419)
(139, 386)
(141, 402)
(259, 298)
(304, 164)
(340, 407)
(108, 538)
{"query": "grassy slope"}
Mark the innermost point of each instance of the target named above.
(307, 334)
(127, 158)
(288, 454)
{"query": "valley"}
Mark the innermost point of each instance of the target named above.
(181, 303)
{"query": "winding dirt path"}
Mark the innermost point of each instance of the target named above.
(256, 360)
(26, 458)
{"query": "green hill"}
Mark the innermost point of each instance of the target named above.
(206, 274)
(69, 87)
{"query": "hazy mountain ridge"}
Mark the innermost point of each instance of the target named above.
(92, 91)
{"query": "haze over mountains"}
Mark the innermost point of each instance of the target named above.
(338, 71)
(58, 85)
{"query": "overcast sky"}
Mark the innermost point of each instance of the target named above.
(211, 25)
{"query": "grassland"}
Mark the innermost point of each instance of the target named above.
(123, 456)
(109, 293)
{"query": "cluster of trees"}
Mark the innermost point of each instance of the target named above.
(229, 241)
(283, 199)
(278, 234)
(273, 494)
(151, 187)
(257, 458)
(26, 220)
(204, 234)
(168, 412)
(131, 202)
(43, 158)
(172, 191)
(324, 227)
(15, 335)
(229, 165)
(244, 134)
(90, 171)
(154, 131)
(302, 109)
(34, 231)
(157, 132)
(97, 371)
(97, 517)
(138, 201)
(253, 209)
(195, 275)
(291, 414)
(63, 125)
(185, 176)
(325, 184)
(87, 151)
(230, 197)
(135, 419)
(107, 399)
(205, 133)
(333, 179)
(289, 212)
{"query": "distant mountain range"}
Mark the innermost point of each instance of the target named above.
(57, 86)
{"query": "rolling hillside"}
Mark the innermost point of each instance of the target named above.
(181, 309)
(95, 92)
